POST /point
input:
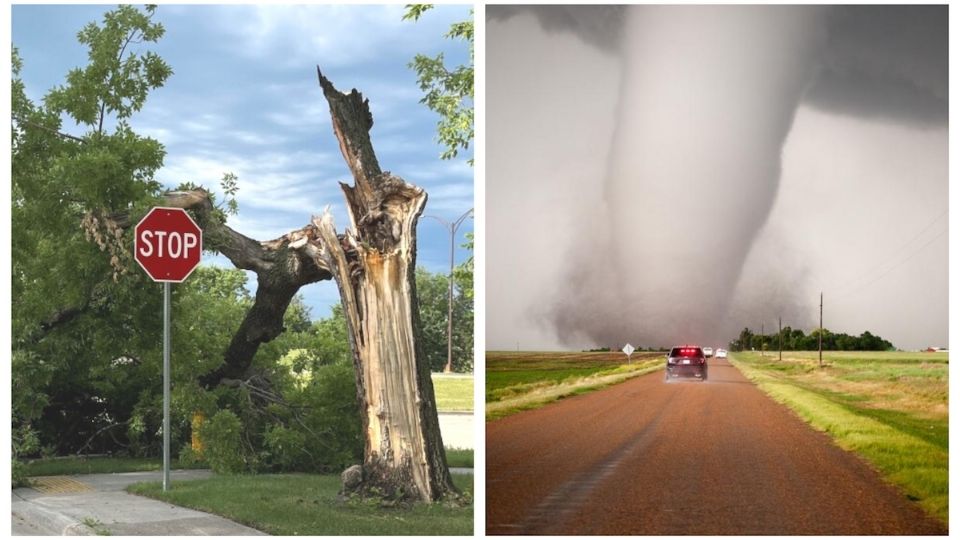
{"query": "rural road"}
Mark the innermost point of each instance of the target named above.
(647, 457)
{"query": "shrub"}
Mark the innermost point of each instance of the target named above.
(335, 440)
(221, 436)
(189, 457)
(18, 474)
(25, 442)
(320, 430)
(287, 449)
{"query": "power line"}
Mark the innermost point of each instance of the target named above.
(846, 286)
(894, 267)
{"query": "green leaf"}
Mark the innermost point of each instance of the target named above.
(448, 92)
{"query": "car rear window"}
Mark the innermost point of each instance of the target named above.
(689, 352)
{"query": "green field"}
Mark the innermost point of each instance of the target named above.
(517, 381)
(307, 504)
(889, 407)
(453, 392)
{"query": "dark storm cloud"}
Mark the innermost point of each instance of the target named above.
(885, 62)
(597, 25)
(879, 61)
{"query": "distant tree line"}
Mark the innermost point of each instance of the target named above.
(795, 340)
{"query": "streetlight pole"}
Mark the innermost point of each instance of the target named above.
(452, 227)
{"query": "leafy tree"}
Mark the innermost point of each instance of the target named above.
(432, 294)
(447, 91)
(744, 342)
(463, 273)
(72, 305)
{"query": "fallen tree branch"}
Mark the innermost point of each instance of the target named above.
(99, 431)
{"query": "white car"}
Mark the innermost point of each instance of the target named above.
(708, 352)
(721, 353)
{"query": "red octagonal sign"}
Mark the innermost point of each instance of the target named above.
(167, 244)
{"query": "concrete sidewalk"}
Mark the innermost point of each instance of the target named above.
(456, 428)
(97, 504)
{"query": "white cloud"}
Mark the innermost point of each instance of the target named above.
(449, 199)
(258, 228)
(288, 182)
(309, 117)
(325, 34)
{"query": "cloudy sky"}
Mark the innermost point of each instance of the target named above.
(665, 174)
(244, 98)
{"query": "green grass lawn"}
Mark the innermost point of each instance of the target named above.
(81, 465)
(302, 504)
(453, 393)
(889, 407)
(517, 381)
(459, 457)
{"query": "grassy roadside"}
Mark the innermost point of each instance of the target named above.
(890, 408)
(302, 504)
(95, 465)
(522, 381)
(453, 392)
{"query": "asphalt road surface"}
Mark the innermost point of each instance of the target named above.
(648, 457)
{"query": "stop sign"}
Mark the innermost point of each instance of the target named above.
(167, 244)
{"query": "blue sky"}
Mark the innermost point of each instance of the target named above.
(244, 98)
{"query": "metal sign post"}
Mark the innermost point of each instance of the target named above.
(166, 385)
(167, 244)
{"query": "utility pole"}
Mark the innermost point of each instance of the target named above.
(780, 333)
(820, 344)
(452, 227)
(762, 340)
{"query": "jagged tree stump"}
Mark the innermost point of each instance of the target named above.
(373, 263)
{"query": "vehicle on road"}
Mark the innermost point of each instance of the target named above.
(708, 351)
(686, 361)
(721, 353)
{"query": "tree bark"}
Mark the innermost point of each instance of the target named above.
(374, 263)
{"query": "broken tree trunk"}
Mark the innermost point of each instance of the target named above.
(373, 263)
(282, 266)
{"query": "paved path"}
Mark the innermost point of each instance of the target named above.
(456, 428)
(652, 458)
(97, 503)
